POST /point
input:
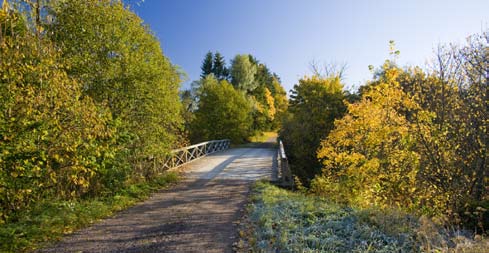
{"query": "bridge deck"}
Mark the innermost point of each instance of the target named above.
(239, 163)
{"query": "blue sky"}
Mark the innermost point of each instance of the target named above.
(287, 35)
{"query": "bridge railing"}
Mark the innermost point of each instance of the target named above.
(179, 157)
(284, 173)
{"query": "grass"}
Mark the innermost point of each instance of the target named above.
(258, 140)
(50, 220)
(263, 136)
(285, 221)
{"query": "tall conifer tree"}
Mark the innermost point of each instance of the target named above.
(207, 65)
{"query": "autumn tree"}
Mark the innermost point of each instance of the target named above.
(369, 157)
(314, 105)
(280, 103)
(454, 146)
(54, 141)
(416, 140)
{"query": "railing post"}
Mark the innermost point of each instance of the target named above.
(285, 173)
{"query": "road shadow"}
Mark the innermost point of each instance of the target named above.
(195, 216)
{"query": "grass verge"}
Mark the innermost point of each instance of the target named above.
(263, 136)
(49, 221)
(258, 140)
(283, 221)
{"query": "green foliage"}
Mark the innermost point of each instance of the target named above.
(216, 65)
(88, 102)
(243, 73)
(223, 113)
(206, 67)
(219, 67)
(121, 65)
(261, 88)
(53, 141)
(315, 104)
(263, 137)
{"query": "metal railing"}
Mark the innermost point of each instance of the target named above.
(179, 157)
(284, 174)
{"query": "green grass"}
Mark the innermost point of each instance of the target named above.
(285, 221)
(263, 136)
(49, 221)
(257, 140)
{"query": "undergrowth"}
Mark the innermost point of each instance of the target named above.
(285, 221)
(49, 221)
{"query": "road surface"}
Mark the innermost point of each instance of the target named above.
(197, 215)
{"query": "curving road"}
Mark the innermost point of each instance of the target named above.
(197, 215)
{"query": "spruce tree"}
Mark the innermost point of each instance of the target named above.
(219, 68)
(207, 66)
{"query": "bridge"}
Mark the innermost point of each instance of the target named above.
(199, 214)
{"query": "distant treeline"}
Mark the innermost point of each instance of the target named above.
(233, 102)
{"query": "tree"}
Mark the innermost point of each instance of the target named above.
(223, 113)
(54, 142)
(219, 67)
(314, 106)
(370, 156)
(280, 102)
(261, 88)
(120, 63)
(243, 73)
(207, 65)
(416, 140)
(454, 144)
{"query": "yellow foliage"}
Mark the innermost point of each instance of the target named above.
(271, 104)
(368, 155)
(49, 132)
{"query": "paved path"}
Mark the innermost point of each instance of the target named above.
(195, 216)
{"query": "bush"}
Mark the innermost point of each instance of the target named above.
(53, 139)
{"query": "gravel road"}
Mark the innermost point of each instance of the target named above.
(197, 215)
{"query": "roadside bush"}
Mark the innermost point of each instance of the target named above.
(53, 140)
